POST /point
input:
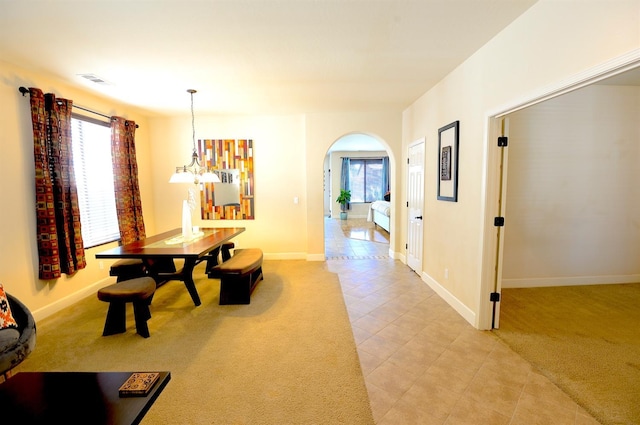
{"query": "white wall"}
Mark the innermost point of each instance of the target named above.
(553, 41)
(287, 151)
(573, 195)
(279, 228)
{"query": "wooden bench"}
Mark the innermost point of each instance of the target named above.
(213, 259)
(239, 275)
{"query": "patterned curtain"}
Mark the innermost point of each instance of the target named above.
(344, 177)
(60, 245)
(125, 176)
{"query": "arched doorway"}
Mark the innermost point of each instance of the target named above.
(357, 236)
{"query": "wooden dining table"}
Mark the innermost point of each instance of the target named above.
(172, 245)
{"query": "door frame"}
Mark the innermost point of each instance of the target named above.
(492, 250)
(416, 142)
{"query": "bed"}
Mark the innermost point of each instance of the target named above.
(379, 213)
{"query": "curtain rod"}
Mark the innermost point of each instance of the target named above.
(89, 110)
(25, 91)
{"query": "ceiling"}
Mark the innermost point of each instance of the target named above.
(251, 56)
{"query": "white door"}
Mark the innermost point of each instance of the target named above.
(415, 204)
(326, 186)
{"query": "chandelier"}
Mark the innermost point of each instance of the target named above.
(194, 172)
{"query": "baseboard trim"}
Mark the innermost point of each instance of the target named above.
(71, 299)
(570, 281)
(464, 311)
(397, 256)
(285, 256)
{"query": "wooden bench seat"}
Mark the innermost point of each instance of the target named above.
(239, 275)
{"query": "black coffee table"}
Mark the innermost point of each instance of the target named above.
(73, 398)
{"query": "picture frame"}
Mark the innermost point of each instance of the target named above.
(448, 145)
(233, 197)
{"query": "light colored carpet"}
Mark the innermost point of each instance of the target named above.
(586, 339)
(289, 357)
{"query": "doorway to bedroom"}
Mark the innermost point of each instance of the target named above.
(359, 236)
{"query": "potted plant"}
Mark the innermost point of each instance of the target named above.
(343, 200)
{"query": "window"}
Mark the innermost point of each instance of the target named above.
(365, 179)
(91, 140)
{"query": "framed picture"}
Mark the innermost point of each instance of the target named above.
(448, 141)
(233, 197)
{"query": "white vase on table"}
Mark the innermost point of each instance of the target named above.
(187, 229)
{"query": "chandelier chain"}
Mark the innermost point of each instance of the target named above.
(193, 122)
(194, 172)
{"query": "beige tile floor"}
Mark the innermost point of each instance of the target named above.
(423, 363)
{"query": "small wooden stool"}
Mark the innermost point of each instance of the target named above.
(138, 291)
(128, 268)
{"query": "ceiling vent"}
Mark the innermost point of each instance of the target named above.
(95, 79)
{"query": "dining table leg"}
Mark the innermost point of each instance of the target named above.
(162, 275)
(187, 272)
